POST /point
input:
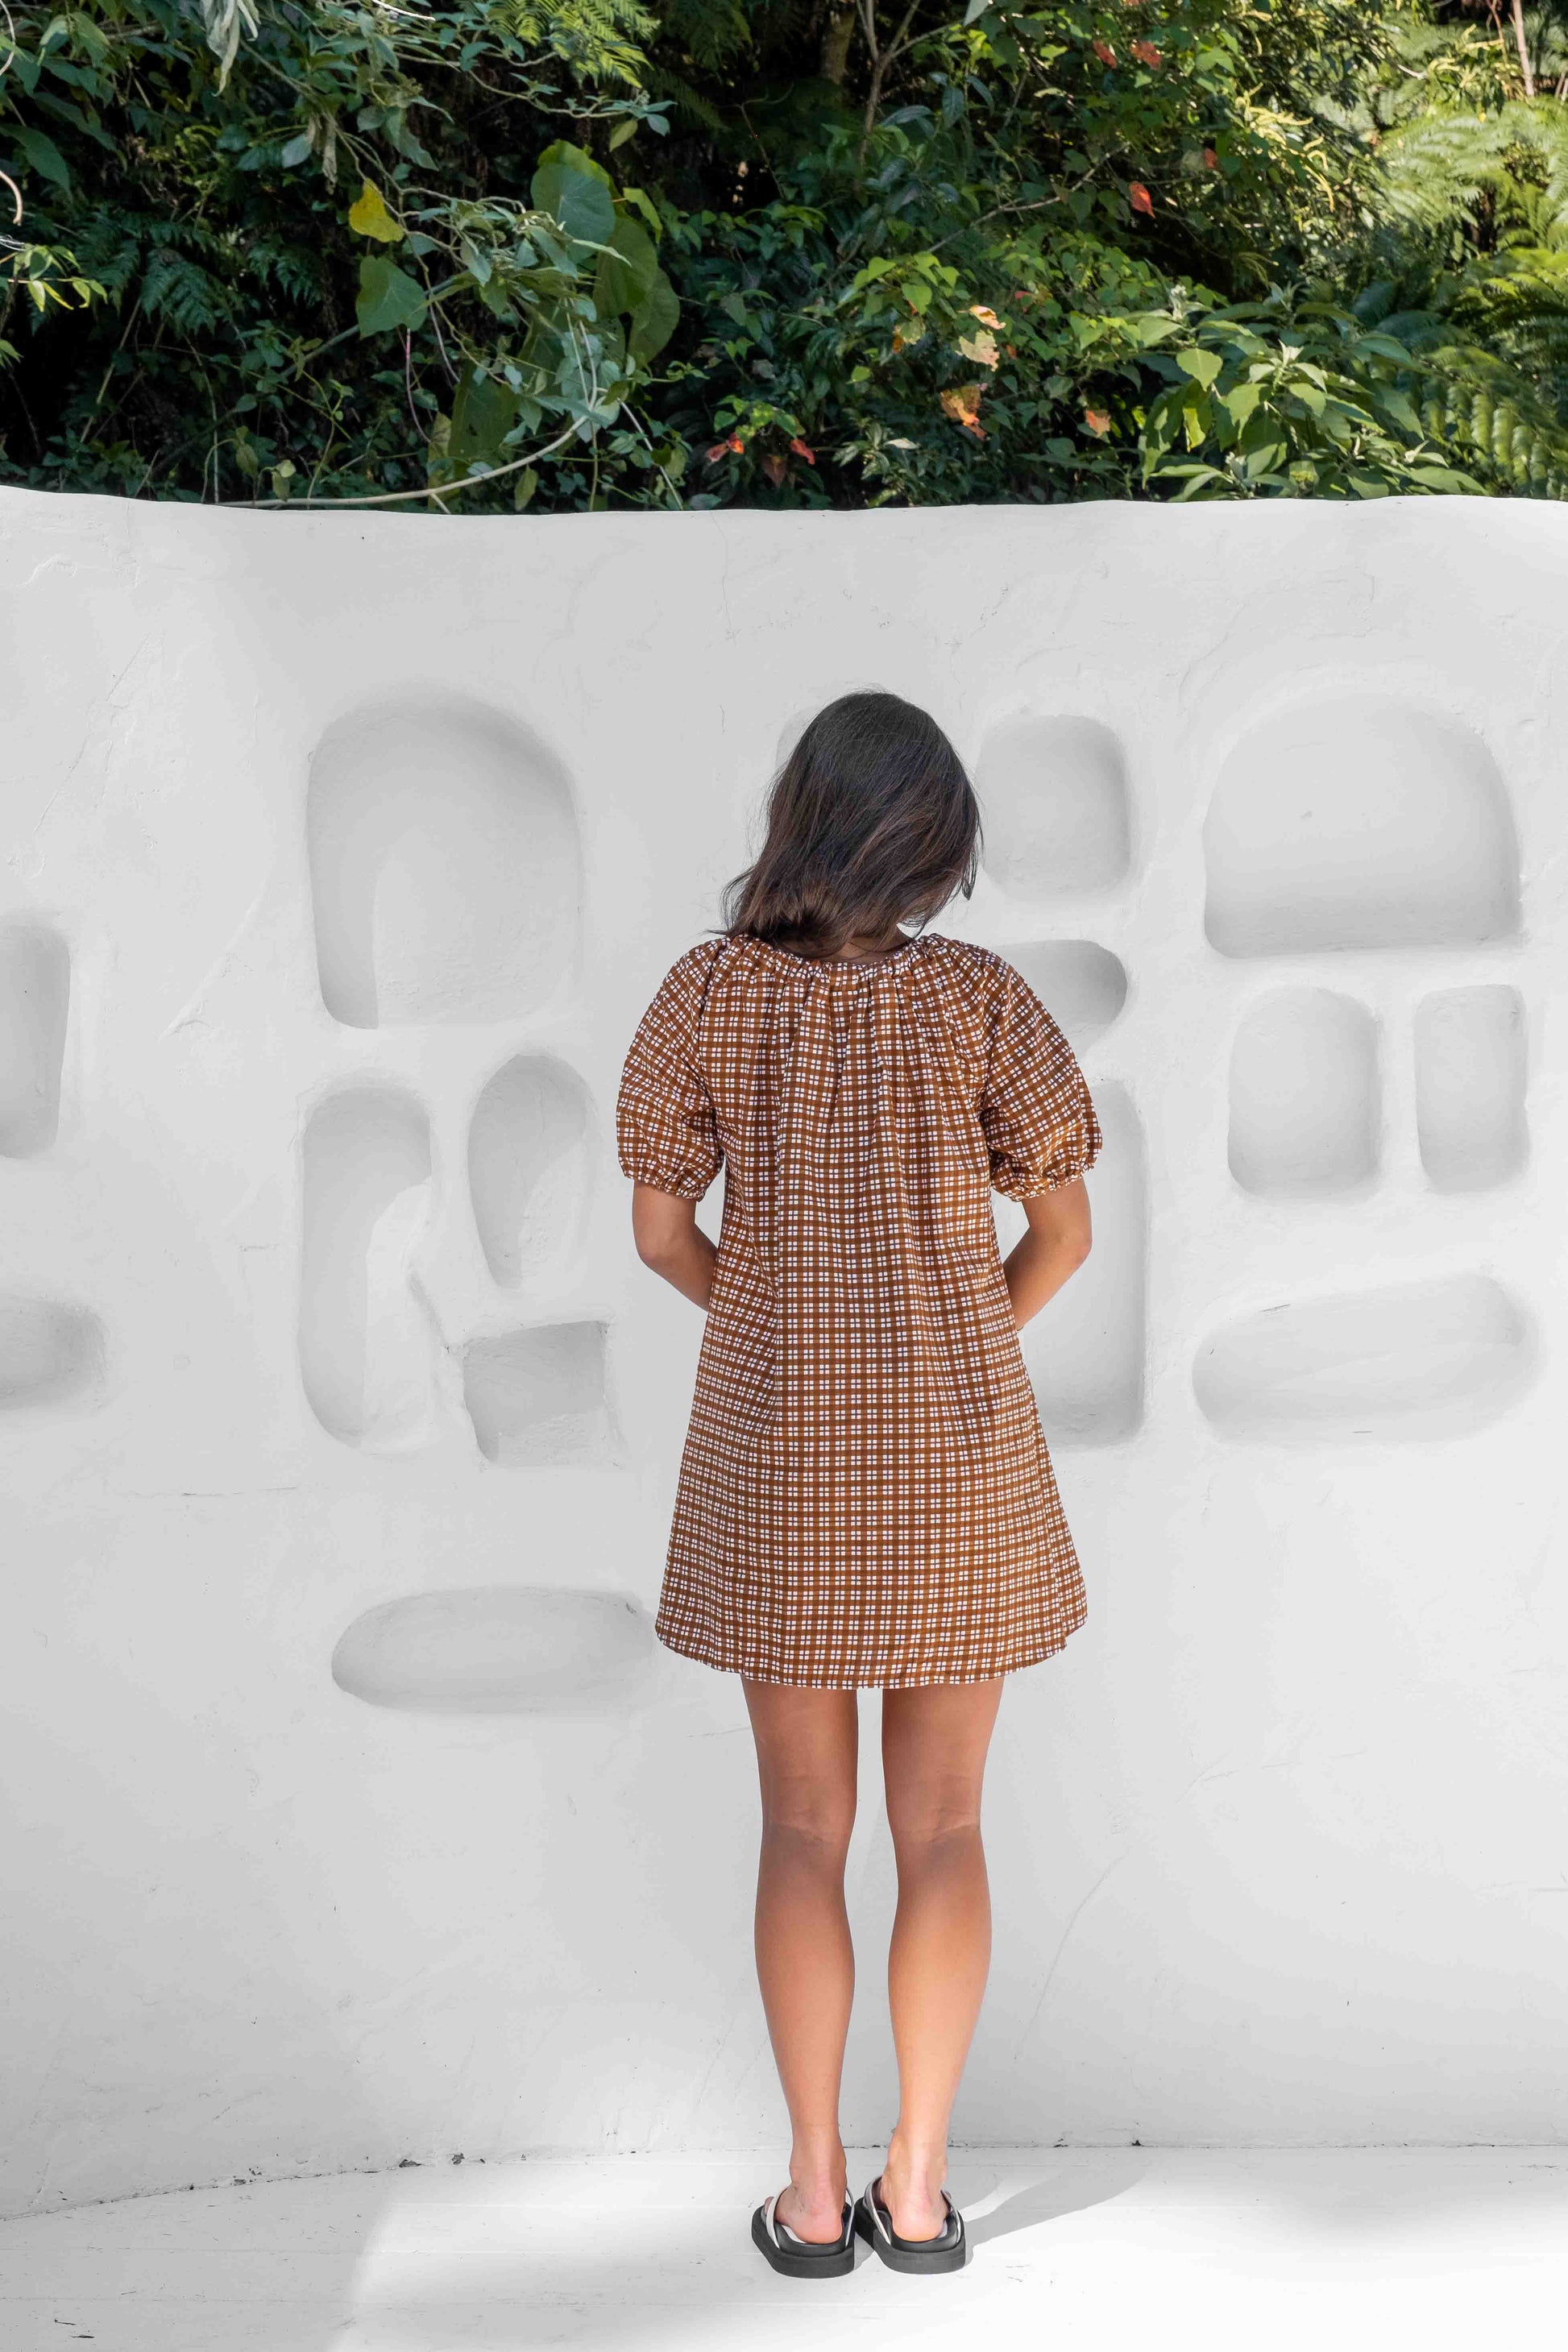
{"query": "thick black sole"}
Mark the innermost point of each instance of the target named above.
(907, 2254)
(833, 2262)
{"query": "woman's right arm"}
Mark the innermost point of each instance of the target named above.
(670, 1240)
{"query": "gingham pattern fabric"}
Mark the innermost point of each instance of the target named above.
(864, 1495)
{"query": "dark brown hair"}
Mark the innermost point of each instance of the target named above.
(872, 823)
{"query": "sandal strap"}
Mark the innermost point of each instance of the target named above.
(772, 2223)
(884, 2219)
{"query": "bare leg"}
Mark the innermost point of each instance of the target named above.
(807, 1752)
(934, 1746)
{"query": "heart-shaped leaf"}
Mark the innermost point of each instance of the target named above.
(388, 297)
(578, 200)
(626, 274)
(655, 320)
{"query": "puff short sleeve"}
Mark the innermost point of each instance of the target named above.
(666, 1132)
(1038, 1119)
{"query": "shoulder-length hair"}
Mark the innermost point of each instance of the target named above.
(872, 825)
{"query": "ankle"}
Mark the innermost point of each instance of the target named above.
(917, 2164)
(820, 2177)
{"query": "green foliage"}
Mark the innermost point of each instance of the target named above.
(561, 253)
(1274, 397)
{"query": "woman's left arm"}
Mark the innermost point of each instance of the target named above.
(670, 1240)
(1056, 1245)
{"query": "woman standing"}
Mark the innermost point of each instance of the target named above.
(864, 1495)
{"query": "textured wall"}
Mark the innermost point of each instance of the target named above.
(355, 1813)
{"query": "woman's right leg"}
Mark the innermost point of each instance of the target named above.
(807, 1753)
(935, 1740)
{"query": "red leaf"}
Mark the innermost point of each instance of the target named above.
(717, 451)
(775, 467)
(1138, 197)
(802, 450)
(1146, 52)
(1097, 420)
(1211, 159)
(1104, 52)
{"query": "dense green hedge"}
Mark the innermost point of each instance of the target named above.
(521, 254)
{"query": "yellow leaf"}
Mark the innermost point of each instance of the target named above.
(980, 348)
(368, 216)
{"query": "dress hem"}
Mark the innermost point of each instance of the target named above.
(869, 1682)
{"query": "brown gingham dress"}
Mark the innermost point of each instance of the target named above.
(865, 1495)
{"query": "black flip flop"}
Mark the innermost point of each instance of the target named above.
(800, 2257)
(948, 2250)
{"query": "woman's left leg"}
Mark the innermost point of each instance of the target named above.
(807, 1755)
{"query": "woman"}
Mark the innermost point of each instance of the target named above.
(865, 1497)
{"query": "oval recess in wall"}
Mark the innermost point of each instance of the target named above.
(495, 1650)
(1416, 1359)
(530, 1166)
(53, 1354)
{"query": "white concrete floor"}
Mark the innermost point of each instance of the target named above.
(1332, 2249)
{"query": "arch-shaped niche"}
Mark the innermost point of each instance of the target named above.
(530, 1166)
(495, 1650)
(1056, 807)
(1081, 984)
(366, 1356)
(446, 871)
(1358, 821)
(34, 999)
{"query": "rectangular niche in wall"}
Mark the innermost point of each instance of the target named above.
(1085, 1348)
(1054, 793)
(35, 996)
(1470, 1087)
(538, 1397)
(1303, 1094)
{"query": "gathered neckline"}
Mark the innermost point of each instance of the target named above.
(840, 968)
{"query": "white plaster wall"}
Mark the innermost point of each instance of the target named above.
(314, 1304)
